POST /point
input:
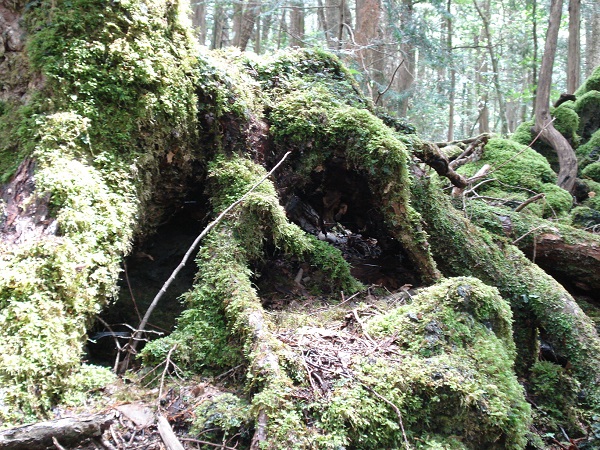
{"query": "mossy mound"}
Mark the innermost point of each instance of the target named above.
(588, 109)
(521, 173)
(117, 98)
(592, 171)
(458, 339)
(592, 83)
(566, 121)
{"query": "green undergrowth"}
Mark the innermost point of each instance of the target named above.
(117, 98)
(520, 173)
(450, 377)
(537, 300)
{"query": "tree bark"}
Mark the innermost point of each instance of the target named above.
(485, 18)
(543, 121)
(297, 23)
(407, 49)
(593, 39)
(67, 431)
(199, 20)
(574, 53)
(366, 38)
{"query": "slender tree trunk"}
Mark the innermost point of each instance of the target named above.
(283, 30)
(451, 93)
(483, 120)
(485, 19)
(593, 39)
(245, 16)
(324, 24)
(199, 20)
(297, 23)
(543, 121)
(267, 21)
(574, 53)
(257, 36)
(406, 72)
(534, 63)
(366, 38)
(219, 34)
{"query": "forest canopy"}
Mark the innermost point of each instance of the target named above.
(372, 289)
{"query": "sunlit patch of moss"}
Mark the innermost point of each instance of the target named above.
(592, 171)
(117, 97)
(515, 183)
(453, 376)
(537, 300)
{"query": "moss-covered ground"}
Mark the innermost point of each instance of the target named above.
(131, 115)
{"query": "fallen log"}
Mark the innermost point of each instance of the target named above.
(66, 431)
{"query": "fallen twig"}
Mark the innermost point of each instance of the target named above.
(167, 435)
(529, 200)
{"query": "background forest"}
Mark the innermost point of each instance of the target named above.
(453, 68)
(359, 281)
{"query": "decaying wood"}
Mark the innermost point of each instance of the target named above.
(472, 152)
(167, 434)
(67, 431)
(573, 261)
(430, 154)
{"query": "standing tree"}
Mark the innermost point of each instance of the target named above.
(574, 53)
(543, 120)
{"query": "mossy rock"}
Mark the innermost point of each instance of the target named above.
(588, 108)
(521, 172)
(456, 337)
(592, 83)
(589, 152)
(585, 217)
(592, 171)
(567, 122)
(523, 134)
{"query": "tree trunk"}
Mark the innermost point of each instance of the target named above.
(543, 121)
(199, 20)
(366, 38)
(574, 52)
(451, 93)
(245, 15)
(593, 39)
(485, 18)
(219, 34)
(406, 72)
(297, 23)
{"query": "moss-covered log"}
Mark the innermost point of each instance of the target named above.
(128, 114)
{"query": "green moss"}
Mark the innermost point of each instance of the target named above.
(117, 97)
(308, 114)
(220, 416)
(536, 299)
(567, 121)
(209, 330)
(590, 151)
(587, 107)
(591, 84)
(521, 173)
(585, 217)
(454, 375)
(592, 171)
(523, 134)
(555, 394)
